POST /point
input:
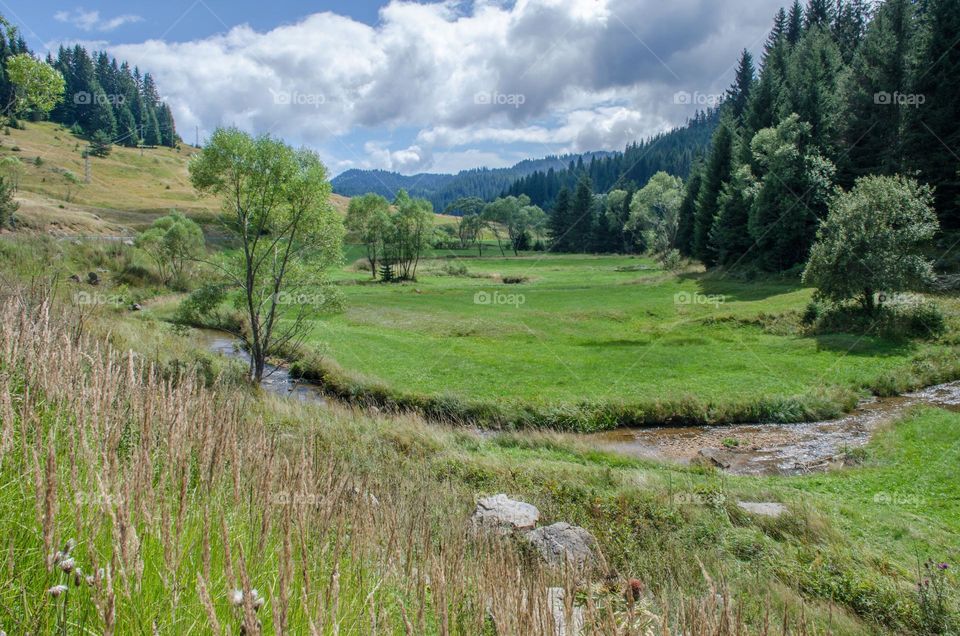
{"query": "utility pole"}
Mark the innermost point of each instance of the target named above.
(197, 145)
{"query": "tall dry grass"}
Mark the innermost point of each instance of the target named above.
(135, 504)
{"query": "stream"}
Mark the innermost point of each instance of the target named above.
(743, 449)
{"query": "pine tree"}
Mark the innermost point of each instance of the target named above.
(819, 13)
(581, 213)
(813, 87)
(716, 173)
(688, 210)
(559, 222)
(730, 235)
(777, 33)
(738, 95)
(795, 23)
(874, 126)
(849, 27)
(933, 135)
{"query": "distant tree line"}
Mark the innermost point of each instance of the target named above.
(103, 100)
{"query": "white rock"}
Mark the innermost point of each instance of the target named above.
(562, 544)
(504, 514)
(763, 509)
(555, 599)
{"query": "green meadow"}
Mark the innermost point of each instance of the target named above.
(552, 332)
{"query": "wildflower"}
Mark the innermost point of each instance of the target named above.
(237, 598)
(68, 548)
(57, 590)
(68, 564)
(256, 600)
(943, 566)
(77, 577)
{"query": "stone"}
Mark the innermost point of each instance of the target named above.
(74, 278)
(563, 544)
(93, 278)
(505, 515)
(136, 307)
(763, 509)
(561, 627)
(717, 457)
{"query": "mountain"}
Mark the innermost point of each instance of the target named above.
(443, 189)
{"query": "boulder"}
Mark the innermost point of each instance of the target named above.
(562, 544)
(136, 307)
(763, 509)
(505, 515)
(720, 458)
(93, 278)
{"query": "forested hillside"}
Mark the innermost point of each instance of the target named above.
(103, 99)
(673, 152)
(443, 189)
(844, 90)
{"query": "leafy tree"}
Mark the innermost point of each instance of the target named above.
(654, 212)
(37, 86)
(275, 200)
(412, 227)
(8, 207)
(368, 220)
(795, 181)
(870, 241)
(517, 216)
(12, 169)
(172, 242)
(470, 231)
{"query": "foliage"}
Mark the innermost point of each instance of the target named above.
(275, 204)
(172, 243)
(100, 144)
(368, 221)
(870, 242)
(37, 87)
(8, 207)
(517, 216)
(654, 213)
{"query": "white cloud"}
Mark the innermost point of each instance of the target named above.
(568, 74)
(91, 20)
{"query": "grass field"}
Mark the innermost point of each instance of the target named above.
(174, 491)
(603, 331)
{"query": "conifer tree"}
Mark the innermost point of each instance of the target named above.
(716, 173)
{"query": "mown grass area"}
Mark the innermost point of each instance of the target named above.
(596, 341)
(185, 494)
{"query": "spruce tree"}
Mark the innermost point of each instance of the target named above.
(874, 123)
(795, 23)
(813, 87)
(581, 214)
(716, 173)
(933, 138)
(688, 209)
(738, 94)
(730, 235)
(559, 222)
(819, 13)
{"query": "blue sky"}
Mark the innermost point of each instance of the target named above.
(412, 87)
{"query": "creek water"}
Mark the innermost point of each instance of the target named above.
(747, 449)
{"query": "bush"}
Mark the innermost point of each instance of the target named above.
(200, 307)
(916, 320)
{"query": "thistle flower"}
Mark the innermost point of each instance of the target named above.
(943, 566)
(236, 598)
(68, 564)
(57, 590)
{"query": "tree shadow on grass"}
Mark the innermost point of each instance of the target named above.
(863, 346)
(739, 290)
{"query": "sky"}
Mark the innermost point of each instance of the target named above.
(420, 86)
